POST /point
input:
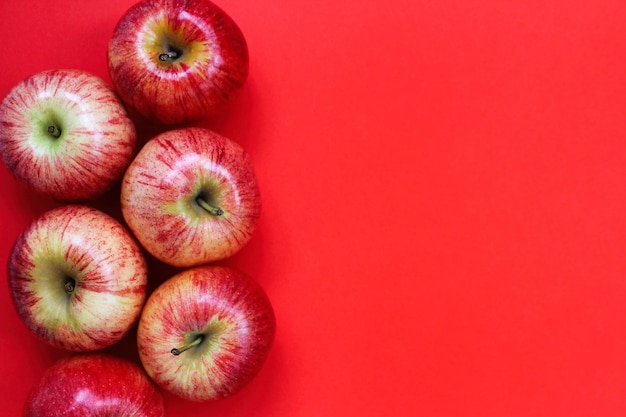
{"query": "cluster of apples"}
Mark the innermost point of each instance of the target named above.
(189, 197)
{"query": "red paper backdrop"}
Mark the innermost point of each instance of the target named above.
(444, 214)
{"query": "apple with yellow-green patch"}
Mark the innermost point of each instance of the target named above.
(177, 61)
(65, 134)
(206, 332)
(191, 197)
(77, 278)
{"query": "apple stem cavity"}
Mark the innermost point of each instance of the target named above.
(216, 211)
(54, 131)
(195, 342)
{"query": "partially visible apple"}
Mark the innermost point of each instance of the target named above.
(177, 61)
(94, 385)
(205, 332)
(190, 197)
(77, 278)
(66, 134)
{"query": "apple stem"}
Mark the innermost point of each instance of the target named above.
(216, 211)
(168, 56)
(69, 286)
(54, 131)
(194, 342)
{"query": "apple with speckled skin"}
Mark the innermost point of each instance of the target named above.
(66, 134)
(205, 332)
(77, 278)
(190, 197)
(177, 61)
(94, 385)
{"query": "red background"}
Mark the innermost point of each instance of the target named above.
(444, 200)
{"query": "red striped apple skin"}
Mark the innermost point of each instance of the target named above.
(230, 317)
(160, 191)
(90, 149)
(94, 385)
(77, 278)
(206, 74)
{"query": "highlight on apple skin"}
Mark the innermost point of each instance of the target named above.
(93, 385)
(191, 197)
(205, 333)
(177, 61)
(77, 278)
(66, 134)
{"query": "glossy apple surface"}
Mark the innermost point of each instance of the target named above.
(205, 333)
(77, 278)
(191, 197)
(94, 385)
(177, 61)
(66, 134)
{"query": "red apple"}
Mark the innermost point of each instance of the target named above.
(177, 61)
(77, 278)
(66, 134)
(94, 385)
(190, 197)
(205, 332)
